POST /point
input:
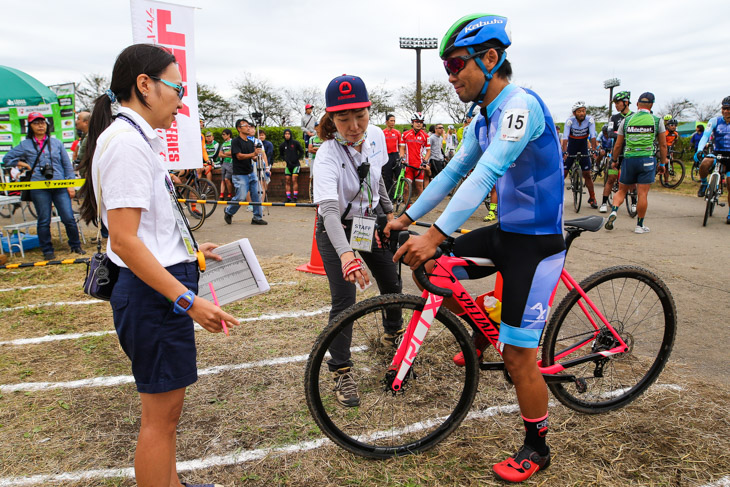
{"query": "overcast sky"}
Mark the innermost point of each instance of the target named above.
(562, 50)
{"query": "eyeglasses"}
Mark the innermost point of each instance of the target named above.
(455, 64)
(179, 88)
(439, 128)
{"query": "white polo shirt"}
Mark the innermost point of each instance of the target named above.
(337, 177)
(133, 176)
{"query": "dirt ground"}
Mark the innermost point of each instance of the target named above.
(674, 435)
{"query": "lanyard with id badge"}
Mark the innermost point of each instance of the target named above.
(363, 226)
(191, 246)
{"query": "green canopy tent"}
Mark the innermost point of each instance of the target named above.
(20, 89)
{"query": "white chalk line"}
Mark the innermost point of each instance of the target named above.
(89, 301)
(24, 288)
(74, 336)
(723, 482)
(260, 453)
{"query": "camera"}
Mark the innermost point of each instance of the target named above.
(47, 171)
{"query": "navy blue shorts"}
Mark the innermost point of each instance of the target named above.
(159, 342)
(638, 170)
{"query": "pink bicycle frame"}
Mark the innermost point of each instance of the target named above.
(442, 276)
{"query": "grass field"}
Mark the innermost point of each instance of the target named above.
(68, 418)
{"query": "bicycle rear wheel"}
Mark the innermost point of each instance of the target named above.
(674, 175)
(195, 214)
(641, 309)
(576, 182)
(631, 201)
(436, 395)
(207, 191)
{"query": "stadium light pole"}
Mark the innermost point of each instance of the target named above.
(418, 43)
(610, 84)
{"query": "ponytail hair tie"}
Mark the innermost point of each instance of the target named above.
(111, 96)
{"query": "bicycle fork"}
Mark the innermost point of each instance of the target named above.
(413, 338)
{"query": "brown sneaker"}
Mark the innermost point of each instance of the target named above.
(392, 339)
(346, 387)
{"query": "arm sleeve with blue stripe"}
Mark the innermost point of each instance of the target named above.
(706, 134)
(592, 128)
(491, 165)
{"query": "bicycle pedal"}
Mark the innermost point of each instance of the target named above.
(721, 204)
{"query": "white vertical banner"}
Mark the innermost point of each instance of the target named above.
(171, 26)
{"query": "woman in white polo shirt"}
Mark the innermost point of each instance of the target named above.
(153, 301)
(349, 188)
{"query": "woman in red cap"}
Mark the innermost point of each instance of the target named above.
(46, 157)
(350, 191)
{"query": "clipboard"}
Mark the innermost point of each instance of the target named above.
(236, 277)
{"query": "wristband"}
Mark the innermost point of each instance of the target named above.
(184, 302)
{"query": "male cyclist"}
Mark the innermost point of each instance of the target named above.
(671, 125)
(578, 129)
(638, 133)
(511, 143)
(621, 102)
(719, 127)
(412, 146)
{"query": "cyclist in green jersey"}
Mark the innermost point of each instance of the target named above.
(638, 132)
(621, 101)
(226, 165)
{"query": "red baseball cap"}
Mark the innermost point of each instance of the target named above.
(32, 116)
(308, 106)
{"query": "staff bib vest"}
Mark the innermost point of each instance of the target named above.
(640, 131)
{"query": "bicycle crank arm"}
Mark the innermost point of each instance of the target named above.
(558, 378)
(491, 366)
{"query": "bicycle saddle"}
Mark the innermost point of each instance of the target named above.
(590, 223)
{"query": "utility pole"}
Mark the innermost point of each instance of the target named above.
(418, 43)
(610, 84)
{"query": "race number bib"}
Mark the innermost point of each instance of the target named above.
(514, 124)
(363, 233)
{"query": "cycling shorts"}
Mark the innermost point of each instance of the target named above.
(290, 170)
(585, 162)
(638, 170)
(724, 164)
(530, 266)
(414, 174)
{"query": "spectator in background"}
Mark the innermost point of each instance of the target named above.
(696, 137)
(291, 151)
(467, 121)
(211, 148)
(436, 141)
(269, 152)
(226, 165)
(314, 144)
(308, 121)
(452, 143)
(392, 142)
(82, 125)
(46, 157)
(202, 145)
(244, 154)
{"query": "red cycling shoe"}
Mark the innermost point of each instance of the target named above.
(522, 465)
(480, 343)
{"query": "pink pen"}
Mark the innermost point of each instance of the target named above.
(215, 301)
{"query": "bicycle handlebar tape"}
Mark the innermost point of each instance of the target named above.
(423, 280)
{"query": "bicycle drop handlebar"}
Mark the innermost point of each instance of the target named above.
(420, 273)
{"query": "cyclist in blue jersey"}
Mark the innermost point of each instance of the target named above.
(719, 127)
(512, 144)
(578, 130)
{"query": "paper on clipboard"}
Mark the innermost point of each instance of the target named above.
(237, 276)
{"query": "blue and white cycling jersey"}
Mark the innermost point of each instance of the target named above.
(721, 130)
(578, 133)
(510, 147)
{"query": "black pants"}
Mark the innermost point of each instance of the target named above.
(387, 172)
(436, 167)
(382, 268)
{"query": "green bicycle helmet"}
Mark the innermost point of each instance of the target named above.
(622, 96)
(478, 32)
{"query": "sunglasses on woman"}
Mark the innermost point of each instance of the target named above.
(455, 64)
(179, 88)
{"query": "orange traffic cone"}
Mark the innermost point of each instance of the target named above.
(315, 264)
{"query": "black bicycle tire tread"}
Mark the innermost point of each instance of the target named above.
(210, 208)
(552, 329)
(194, 222)
(319, 349)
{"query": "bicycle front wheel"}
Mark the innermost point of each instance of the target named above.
(403, 197)
(576, 181)
(710, 197)
(436, 394)
(641, 309)
(674, 175)
(207, 191)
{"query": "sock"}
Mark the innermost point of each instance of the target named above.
(493, 206)
(296, 194)
(614, 208)
(640, 222)
(535, 433)
(703, 181)
(288, 195)
(605, 200)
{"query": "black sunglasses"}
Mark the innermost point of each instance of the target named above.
(455, 64)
